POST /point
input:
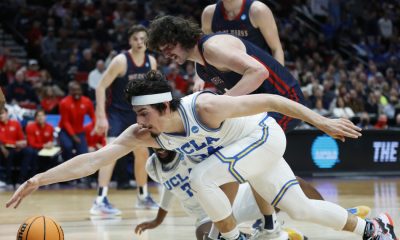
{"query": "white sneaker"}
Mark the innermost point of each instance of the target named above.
(104, 208)
(275, 234)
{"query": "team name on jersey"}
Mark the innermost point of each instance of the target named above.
(236, 32)
(217, 81)
(179, 181)
(136, 76)
(193, 146)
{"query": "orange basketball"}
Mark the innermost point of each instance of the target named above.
(39, 228)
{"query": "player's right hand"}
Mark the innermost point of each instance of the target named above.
(146, 225)
(101, 126)
(198, 84)
(24, 190)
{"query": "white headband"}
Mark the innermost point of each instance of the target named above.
(151, 99)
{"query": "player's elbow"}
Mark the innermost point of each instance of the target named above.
(261, 74)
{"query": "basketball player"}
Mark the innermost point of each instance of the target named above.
(125, 67)
(172, 169)
(2, 100)
(235, 66)
(231, 137)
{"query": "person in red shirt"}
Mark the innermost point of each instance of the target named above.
(13, 150)
(40, 135)
(94, 140)
(73, 109)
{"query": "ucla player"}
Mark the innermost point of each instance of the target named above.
(231, 137)
(172, 170)
(127, 66)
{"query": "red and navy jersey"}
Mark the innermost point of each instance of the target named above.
(240, 26)
(279, 82)
(116, 97)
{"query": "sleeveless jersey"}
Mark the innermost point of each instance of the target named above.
(199, 141)
(116, 96)
(240, 26)
(175, 179)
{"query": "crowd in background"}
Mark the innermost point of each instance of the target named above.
(346, 58)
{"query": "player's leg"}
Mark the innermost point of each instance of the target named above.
(281, 183)
(144, 198)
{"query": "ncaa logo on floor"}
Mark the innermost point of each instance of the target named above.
(325, 152)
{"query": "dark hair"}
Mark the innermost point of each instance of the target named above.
(39, 111)
(172, 30)
(152, 82)
(137, 28)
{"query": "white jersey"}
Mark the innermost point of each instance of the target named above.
(199, 141)
(175, 180)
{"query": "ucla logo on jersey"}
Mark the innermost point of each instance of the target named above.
(195, 129)
(243, 17)
(199, 150)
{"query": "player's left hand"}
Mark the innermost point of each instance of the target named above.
(146, 225)
(24, 190)
(340, 128)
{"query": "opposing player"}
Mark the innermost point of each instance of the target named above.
(172, 170)
(118, 116)
(231, 136)
(234, 65)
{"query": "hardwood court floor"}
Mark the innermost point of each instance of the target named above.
(70, 208)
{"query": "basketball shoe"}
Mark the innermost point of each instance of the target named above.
(275, 234)
(380, 228)
(104, 208)
(146, 203)
(360, 211)
(295, 234)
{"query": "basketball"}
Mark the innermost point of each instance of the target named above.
(40, 227)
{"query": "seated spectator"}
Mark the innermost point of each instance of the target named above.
(341, 111)
(73, 109)
(32, 74)
(49, 100)
(365, 121)
(382, 122)
(40, 136)
(95, 76)
(94, 140)
(13, 150)
(87, 62)
(21, 93)
(319, 108)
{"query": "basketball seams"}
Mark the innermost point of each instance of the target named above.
(44, 228)
(59, 237)
(30, 225)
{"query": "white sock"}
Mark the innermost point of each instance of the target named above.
(232, 235)
(142, 192)
(102, 193)
(360, 227)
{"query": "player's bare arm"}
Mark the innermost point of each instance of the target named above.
(214, 109)
(206, 18)
(228, 53)
(261, 17)
(153, 63)
(116, 68)
(86, 164)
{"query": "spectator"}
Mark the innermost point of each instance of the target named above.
(13, 150)
(365, 121)
(87, 63)
(20, 92)
(341, 111)
(95, 75)
(72, 110)
(40, 136)
(385, 26)
(319, 108)
(50, 100)
(382, 122)
(94, 140)
(32, 74)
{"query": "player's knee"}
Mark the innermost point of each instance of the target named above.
(198, 179)
(299, 211)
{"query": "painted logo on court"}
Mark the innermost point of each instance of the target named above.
(325, 152)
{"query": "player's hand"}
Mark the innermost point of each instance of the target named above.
(340, 129)
(24, 190)
(146, 225)
(198, 84)
(101, 126)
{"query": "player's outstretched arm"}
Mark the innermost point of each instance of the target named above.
(153, 223)
(81, 165)
(215, 109)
